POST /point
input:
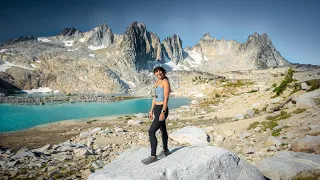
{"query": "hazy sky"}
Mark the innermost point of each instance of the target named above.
(292, 25)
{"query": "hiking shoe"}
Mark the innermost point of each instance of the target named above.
(164, 153)
(149, 160)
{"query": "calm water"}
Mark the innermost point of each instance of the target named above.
(17, 117)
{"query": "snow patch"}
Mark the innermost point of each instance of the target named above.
(131, 84)
(68, 43)
(176, 67)
(56, 91)
(194, 58)
(96, 47)
(38, 61)
(3, 50)
(34, 66)
(92, 55)
(7, 65)
(44, 40)
(39, 90)
(82, 40)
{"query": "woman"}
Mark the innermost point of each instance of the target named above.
(159, 110)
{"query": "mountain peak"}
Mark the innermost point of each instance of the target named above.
(257, 38)
(207, 35)
(69, 31)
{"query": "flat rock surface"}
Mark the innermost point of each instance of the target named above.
(208, 162)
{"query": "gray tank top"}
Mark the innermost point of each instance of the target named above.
(159, 92)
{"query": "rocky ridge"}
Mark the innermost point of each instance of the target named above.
(104, 62)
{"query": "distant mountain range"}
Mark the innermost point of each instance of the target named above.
(101, 61)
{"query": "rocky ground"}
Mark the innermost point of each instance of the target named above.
(240, 113)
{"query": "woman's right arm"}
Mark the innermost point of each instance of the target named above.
(151, 110)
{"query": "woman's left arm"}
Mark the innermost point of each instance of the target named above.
(166, 93)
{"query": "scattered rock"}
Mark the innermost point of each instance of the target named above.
(250, 113)
(134, 122)
(141, 115)
(286, 165)
(95, 130)
(228, 132)
(276, 100)
(86, 173)
(310, 144)
(250, 150)
(304, 86)
(273, 148)
(23, 152)
(208, 129)
(257, 129)
(44, 148)
(172, 117)
(81, 152)
(305, 103)
(245, 135)
(239, 116)
(195, 102)
(315, 130)
(118, 129)
(274, 141)
(218, 138)
(191, 135)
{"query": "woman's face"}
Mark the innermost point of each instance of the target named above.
(159, 74)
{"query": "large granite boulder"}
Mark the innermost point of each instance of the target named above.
(190, 135)
(310, 144)
(305, 100)
(206, 162)
(286, 164)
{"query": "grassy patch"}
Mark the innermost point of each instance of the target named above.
(284, 83)
(274, 85)
(315, 84)
(271, 123)
(256, 111)
(253, 91)
(317, 101)
(238, 83)
(209, 101)
(253, 125)
(91, 121)
(264, 108)
(217, 95)
(298, 111)
(283, 115)
(276, 132)
(202, 80)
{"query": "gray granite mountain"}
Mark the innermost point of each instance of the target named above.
(173, 49)
(101, 61)
(214, 55)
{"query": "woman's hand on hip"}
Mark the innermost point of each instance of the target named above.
(162, 117)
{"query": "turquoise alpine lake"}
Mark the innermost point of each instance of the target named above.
(18, 117)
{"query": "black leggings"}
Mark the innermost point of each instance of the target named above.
(157, 124)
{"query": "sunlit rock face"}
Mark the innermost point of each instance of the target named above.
(100, 61)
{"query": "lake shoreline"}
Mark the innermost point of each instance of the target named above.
(62, 99)
(56, 132)
(51, 133)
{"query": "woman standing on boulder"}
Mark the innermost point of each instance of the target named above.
(159, 110)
